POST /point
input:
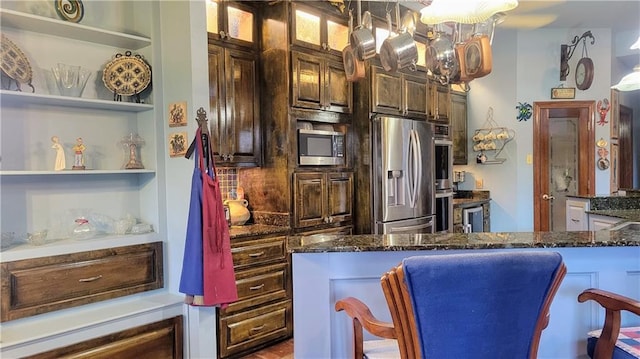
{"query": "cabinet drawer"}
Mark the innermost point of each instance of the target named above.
(40, 285)
(247, 330)
(159, 340)
(259, 286)
(257, 251)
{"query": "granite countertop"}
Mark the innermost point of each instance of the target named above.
(482, 240)
(470, 198)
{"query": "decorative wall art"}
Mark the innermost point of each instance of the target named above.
(178, 114)
(613, 119)
(178, 144)
(603, 153)
(71, 10)
(524, 111)
(603, 109)
(15, 66)
(127, 75)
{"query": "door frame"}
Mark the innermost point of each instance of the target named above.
(585, 111)
(625, 148)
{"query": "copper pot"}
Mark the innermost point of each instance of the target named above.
(353, 67)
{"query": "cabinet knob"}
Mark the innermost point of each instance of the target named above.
(223, 34)
(325, 46)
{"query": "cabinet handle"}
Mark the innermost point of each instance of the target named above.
(90, 279)
(256, 255)
(257, 287)
(223, 35)
(575, 220)
(256, 329)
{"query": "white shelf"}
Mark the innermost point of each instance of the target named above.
(44, 25)
(73, 172)
(8, 97)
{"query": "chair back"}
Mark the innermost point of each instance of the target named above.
(472, 305)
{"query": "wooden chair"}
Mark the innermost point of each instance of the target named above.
(470, 305)
(614, 304)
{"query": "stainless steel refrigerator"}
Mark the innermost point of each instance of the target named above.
(402, 178)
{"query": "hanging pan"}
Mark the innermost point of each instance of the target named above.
(362, 40)
(399, 51)
(353, 67)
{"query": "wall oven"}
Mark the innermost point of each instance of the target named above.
(443, 177)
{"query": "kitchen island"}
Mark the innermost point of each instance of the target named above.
(327, 268)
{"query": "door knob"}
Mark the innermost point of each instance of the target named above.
(546, 197)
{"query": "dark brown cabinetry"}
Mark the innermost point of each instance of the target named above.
(263, 312)
(398, 93)
(234, 97)
(319, 26)
(459, 127)
(439, 101)
(320, 83)
(159, 340)
(41, 285)
(322, 198)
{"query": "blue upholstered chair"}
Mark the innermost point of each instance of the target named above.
(613, 341)
(470, 305)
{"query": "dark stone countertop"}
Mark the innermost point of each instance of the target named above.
(627, 214)
(448, 241)
(256, 230)
(465, 199)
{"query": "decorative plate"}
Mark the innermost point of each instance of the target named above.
(15, 64)
(72, 10)
(127, 74)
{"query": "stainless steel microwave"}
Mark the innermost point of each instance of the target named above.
(320, 148)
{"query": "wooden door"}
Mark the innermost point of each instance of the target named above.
(459, 127)
(307, 82)
(339, 91)
(386, 92)
(217, 106)
(543, 193)
(414, 96)
(340, 196)
(439, 99)
(310, 191)
(625, 149)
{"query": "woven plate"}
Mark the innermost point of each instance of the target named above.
(127, 74)
(14, 62)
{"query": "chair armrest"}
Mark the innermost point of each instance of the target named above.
(356, 309)
(613, 304)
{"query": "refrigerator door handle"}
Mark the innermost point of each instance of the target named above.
(418, 172)
(411, 180)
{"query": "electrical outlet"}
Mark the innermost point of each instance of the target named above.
(529, 159)
(479, 183)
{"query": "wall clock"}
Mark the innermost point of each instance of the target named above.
(584, 73)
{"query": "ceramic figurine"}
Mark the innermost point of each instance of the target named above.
(78, 150)
(60, 161)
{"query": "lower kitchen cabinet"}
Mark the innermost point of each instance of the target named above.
(576, 212)
(159, 340)
(598, 222)
(263, 312)
(322, 198)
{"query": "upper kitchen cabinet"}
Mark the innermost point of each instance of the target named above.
(234, 103)
(320, 83)
(439, 102)
(322, 27)
(398, 93)
(232, 22)
(322, 198)
(234, 97)
(459, 127)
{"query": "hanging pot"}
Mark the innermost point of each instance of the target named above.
(361, 39)
(400, 51)
(353, 67)
(441, 57)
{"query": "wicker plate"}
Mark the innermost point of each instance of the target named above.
(14, 62)
(127, 74)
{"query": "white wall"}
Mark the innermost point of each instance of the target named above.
(526, 65)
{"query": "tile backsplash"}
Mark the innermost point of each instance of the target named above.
(228, 178)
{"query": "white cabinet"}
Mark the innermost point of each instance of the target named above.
(598, 222)
(34, 196)
(577, 218)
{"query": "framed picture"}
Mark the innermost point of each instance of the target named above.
(178, 114)
(613, 114)
(615, 168)
(178, 144)
(563, 93)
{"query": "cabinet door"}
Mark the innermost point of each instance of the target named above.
(386, 92)
(232, 22)
(339, 91)
(459, 127)
(340, 197)
(217, 103)
(438, 102)
(242, 127)
(308, 81)
(577, 218)
(598, 222)
(310, 199)
(415, 96)
(314, 28)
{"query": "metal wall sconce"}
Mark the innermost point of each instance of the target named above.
(566, 51)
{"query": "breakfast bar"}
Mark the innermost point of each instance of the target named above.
(327, 268)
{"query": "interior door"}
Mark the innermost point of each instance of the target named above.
(625, 141)
(563, 157)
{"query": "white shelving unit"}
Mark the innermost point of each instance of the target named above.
(33, 195)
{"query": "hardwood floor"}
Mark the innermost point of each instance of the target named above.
(282, 350)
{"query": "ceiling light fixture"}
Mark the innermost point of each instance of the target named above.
(630, 82)
(636, 45)
(464, 11)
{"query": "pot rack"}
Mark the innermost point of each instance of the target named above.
(490, 126)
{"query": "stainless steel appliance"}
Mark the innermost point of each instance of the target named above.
(443, 177)
(320, 147)
(473, 219)
(402, 179)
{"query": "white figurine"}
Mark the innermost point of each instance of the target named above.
(78, 149)
(60, 161)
